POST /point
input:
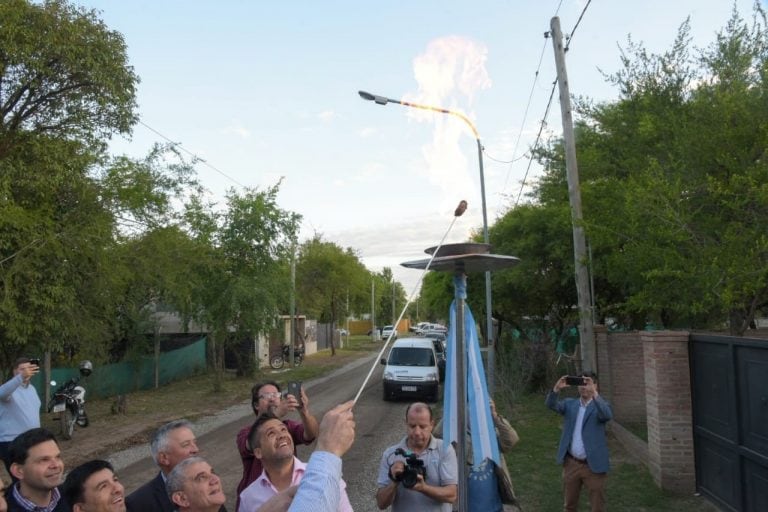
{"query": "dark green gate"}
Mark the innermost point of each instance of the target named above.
(729, 384)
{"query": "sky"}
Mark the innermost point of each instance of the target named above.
(264, 91)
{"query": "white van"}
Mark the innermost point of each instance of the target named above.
(411, 370)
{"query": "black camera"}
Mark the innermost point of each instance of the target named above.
(414, 467)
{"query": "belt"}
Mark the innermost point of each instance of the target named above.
(580, 461)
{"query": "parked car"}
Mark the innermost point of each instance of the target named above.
(441, 356)
(411, 370)
(387, 331)
(437, 335)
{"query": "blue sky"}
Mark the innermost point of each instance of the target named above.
(265, 89)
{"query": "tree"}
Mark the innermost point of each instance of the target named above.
(327, 276)
(673, 182)
(64, 75)
(64, 87)
(242, 265)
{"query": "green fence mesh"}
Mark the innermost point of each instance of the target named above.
(119, 378)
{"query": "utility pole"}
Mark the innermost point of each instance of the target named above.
(394, 313)
(586, 327)
(373, 310)
(292, 337)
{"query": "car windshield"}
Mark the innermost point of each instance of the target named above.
(411, 356)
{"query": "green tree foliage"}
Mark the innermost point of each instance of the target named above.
(327, 278)
(63, 74)
(241, 269)
(674, 188)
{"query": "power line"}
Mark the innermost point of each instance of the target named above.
(193, 155)
(490, 157)
(549, 103)
(573, 30)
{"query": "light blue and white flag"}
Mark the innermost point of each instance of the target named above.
(478, 409)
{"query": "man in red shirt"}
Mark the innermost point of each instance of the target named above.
(266, 397)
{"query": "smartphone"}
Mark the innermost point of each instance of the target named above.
(35, 361)
(294, 388)
(575, 381)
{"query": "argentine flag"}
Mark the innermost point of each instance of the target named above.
(478, 409)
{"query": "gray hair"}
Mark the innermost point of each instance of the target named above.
(159, 442)
(176, 478)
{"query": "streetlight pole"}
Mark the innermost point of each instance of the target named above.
(382, 100)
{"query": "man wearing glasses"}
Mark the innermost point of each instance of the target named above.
(267, 398)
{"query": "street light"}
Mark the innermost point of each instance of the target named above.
(383, 100)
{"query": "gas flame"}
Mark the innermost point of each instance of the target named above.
(449, 74)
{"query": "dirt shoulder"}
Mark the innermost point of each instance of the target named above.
(191, 398)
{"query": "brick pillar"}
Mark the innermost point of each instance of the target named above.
(603, 369)
(668, 407)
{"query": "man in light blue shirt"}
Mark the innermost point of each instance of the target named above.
(19, 406)
(583, 449)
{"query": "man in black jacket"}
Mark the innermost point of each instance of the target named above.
(171, 444)
(36, 463)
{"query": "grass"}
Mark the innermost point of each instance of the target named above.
(537, 476)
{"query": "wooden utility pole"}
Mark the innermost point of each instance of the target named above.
(586, 327)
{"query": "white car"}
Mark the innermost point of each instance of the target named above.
(387, 331)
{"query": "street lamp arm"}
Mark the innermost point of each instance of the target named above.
(383, 100)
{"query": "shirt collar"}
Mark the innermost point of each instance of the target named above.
(431, 446)
(298, 471)
(32, 507)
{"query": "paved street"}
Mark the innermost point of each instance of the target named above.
(379, 424)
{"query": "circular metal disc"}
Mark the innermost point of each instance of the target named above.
(466, 263)
(461, 248)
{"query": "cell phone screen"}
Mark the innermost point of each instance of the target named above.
(574, 381)
(35, 362)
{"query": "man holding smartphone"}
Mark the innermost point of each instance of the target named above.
(583, 449)
(266, 397)
(19, 406)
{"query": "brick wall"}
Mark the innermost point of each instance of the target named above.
(669, 410)
(645, 375)
(621, 375)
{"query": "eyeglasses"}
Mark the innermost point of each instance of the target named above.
(269, 396)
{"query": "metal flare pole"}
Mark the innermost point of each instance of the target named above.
(461, 395)
(383, 100)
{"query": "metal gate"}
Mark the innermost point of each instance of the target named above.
(729, 383)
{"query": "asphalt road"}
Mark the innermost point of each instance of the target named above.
(379, 424)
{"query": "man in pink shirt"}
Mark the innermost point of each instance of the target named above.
(273, 445)
(266, 397)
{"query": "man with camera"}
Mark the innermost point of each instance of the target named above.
(583, 449)
(19, 405)
(419, 473)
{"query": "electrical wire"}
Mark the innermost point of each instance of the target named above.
(549, 103)
(193, 155)
(30, 244)
(573, 30)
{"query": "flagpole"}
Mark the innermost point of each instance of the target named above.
(460, 293)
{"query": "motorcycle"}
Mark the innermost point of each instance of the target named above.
(68, 401)
(277, 361)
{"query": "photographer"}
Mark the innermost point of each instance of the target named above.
(583, 449)
(420, 472)
(19, 406)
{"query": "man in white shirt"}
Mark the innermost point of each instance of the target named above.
(272, 445)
